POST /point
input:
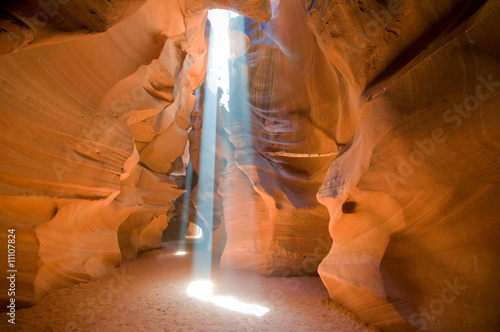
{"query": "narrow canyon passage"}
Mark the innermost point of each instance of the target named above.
(150, 295)
(339, 159)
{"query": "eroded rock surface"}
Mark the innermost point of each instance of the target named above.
(408, 92)
(420, 176)
(96, 106)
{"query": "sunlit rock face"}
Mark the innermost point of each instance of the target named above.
(83, 182)
(413, 197)
(408, 93)
(96, 106)
(283, 228)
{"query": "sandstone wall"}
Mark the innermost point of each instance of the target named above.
(96, 102)
(412, 198)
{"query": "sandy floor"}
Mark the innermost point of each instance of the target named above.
(149, 294)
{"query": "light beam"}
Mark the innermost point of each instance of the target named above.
(203, 290)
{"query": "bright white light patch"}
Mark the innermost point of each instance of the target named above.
(180, 253)
(219, 20)
(194, 231)
(202, 290)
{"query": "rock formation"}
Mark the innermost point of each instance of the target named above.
(91, 126)
(360, 143)
(412, 198)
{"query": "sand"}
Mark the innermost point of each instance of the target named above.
(149, 294)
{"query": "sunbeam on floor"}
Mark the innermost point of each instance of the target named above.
(150, 294)
(203, 290)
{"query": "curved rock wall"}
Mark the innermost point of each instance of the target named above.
(91, 126)
(408, 92)
(283, 142)
(81, 177)
(412, 199)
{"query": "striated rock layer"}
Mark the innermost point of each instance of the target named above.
(412, 198)
(91, 124)
(282, 144)
(409, 94)
(76, 176)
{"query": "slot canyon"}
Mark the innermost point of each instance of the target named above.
(259, 165)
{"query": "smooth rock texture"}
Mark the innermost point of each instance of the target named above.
(413, 198)
(283, 229)
(91, 128)
(413, 188)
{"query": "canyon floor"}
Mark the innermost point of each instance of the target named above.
(149, 294)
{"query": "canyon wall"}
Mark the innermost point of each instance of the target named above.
(413, 197)
(96, 106)
(408, 95)
(360, 143)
